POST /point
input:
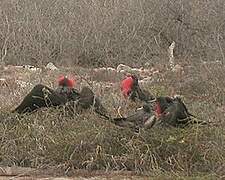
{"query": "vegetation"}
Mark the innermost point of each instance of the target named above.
(86, 34)
(110, 32)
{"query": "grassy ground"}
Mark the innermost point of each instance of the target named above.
(81, 35)
(51, 137)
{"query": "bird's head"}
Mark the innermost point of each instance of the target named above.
(64, 81)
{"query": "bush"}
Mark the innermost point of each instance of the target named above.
(98, 33)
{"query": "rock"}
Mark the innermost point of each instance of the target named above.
(171, 56)
(110, 69)
(123, 68)
(14, 171)
(51, 66)
(146, 80)
(178, 69)
(23, 84)
(3, 82)
(28, 67)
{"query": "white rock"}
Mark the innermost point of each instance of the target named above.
(2, 79)
(29, 67)
(178, 96)
(212, 62)
(3, 82)
(122, 68)
(51, 66)
(146, 80)
(111, 69)
(23, 84)
(178, 69)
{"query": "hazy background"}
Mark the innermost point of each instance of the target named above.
(109, 32)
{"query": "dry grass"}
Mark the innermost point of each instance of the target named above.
(84, 34)
(53, 138)
(100, 33)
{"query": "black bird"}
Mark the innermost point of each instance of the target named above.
(43, 96)
(40, 96)
(173, 111)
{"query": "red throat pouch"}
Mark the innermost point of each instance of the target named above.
(71, 83)
(64, 81)
(126, 86)
(158, 110)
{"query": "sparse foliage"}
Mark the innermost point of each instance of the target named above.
(82, 34)
(110, 32)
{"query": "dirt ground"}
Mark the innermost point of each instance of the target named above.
(68, 178)
(20, 173)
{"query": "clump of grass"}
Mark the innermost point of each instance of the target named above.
(52, 137)
(89, 142)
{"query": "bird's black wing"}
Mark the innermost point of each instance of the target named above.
(40, 96)
(88, 99)
(169, 116)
